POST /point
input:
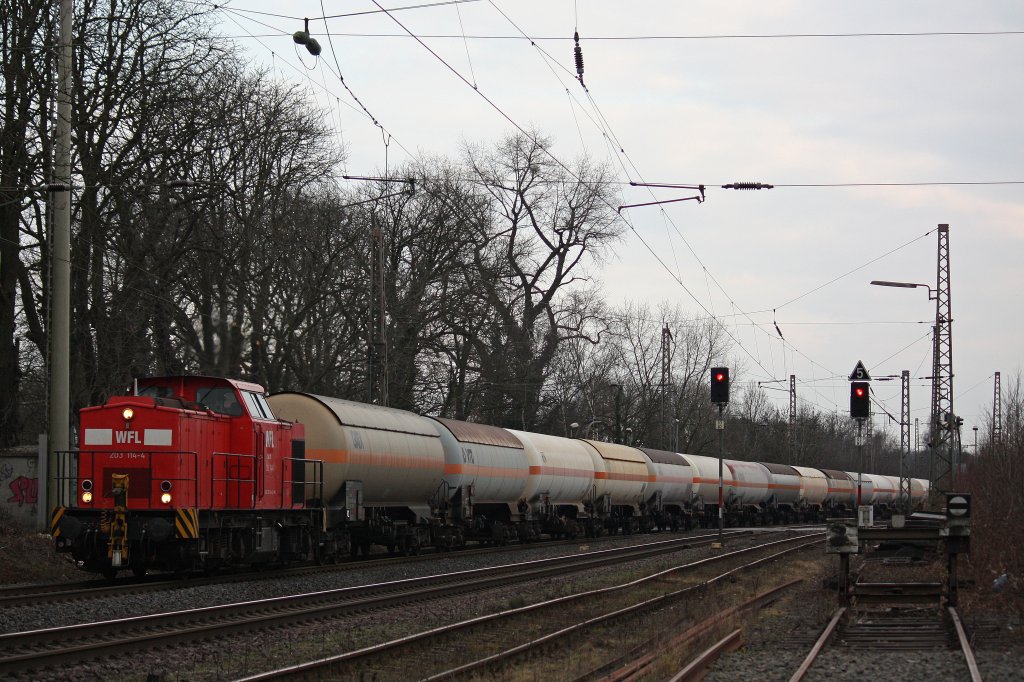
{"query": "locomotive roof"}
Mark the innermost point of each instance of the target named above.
(201, 380)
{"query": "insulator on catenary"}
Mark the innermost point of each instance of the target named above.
(578, 52)
(748, 185)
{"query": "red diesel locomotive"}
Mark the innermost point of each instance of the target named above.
(186, 473)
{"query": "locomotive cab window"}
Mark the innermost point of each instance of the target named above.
(258, 406)
(220, 400)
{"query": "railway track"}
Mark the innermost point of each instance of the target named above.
(571, 622)
(36, 595)
(35, 650)
(872, 632)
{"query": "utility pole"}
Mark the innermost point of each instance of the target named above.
(904, 492)
(997, 414)
(942, 441)
(378, 339)
(60, 265)
(870, 431)
(792, 420)
(666, 382)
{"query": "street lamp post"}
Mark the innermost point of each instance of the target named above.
(941, 375)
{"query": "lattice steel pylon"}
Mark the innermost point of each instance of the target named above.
(997, 414)
(905, 491)
(792, 420)
(377, 350)
(943, 466)
(667, 396)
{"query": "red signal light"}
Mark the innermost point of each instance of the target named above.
(720, 385)
(860, 400)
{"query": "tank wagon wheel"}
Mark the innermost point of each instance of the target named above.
(109, 572)
(138, 570)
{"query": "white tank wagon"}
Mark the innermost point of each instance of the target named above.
(886, 489)
(752, 482)
(671, 489)
(621, 477)
(784, 486)
(620, 473)
(866, 485)
(382, 468)
(561, 473)
(705, 480)
(813, 488)
(919, 488)
(489, 459)
(395, 456)
(485, 472)
(842, 492)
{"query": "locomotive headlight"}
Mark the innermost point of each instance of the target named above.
(165, 486)
(87, 484)
(128, 413)
(87, 496)
(166, 498)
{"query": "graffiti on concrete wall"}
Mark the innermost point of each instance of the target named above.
(26, 491)
(19, 487)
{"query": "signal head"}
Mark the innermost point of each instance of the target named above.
(720, 385)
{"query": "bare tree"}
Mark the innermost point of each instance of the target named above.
(546, 220)
(26, 28)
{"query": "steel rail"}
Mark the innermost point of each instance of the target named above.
(629, 665)
(696, 669)
(24, 650)
(319, 666)
(818, 646)
(46, 593)
(965, 644)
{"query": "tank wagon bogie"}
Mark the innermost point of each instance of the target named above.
(198, 473)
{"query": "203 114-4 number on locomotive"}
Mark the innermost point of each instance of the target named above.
(197, 473)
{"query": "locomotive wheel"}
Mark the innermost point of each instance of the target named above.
(138, 570)
(109, 572)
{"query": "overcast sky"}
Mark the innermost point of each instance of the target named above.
(716, 92)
